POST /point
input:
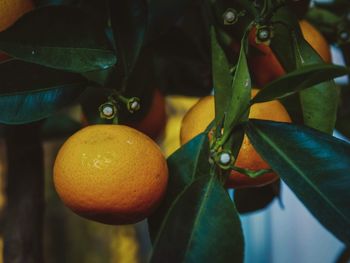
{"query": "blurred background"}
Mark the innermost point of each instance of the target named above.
(284, 232)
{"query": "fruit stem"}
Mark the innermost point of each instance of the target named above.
(251, 173)
(219, 143)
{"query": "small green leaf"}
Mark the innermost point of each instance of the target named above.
(283, 22)
(185, 165)
(320, 102)
(30, 92)
(238, 100)
(205, 225)
(299, 79)
(60, 37)
(343, 123)
(129, 22)
(313, 164)
(222, 77)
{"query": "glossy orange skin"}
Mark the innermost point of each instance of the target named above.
(112, 174)
(265, 65)
(153, 124)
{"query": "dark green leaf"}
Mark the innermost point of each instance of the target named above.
(249, 200)
(185, 165)
(129, 24)
(61, 37)
(299, 79)
(203, 226)
(239, 98)
(318, 103)
(105, 78)
(31, 92)
(343, 123)
(313, 164)
(222, 77)
(284, 21)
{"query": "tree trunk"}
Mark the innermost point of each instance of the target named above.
(25, 195)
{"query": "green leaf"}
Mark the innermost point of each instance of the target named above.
(313, 164)
(318, 103)
(249, 200)
(343, 123)
(299, 79)
(283, 22)
(237, 104)
(222, 77)
(106, 78)
(129, 24)
(185, 165)
(31, 92)
(238, 100)
(203, 226)
(60, 37)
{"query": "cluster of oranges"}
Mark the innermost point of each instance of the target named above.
(116, 174)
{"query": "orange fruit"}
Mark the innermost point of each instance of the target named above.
(11, 10)
(153, 124)
(316, 40)
(112, 174)
(201, 114)
(265, 65)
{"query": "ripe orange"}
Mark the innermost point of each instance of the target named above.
(11, 10)
(265, 65)
(201, 114)
(153, 124)
(112, 174)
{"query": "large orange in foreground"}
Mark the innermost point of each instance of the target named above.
(201, 114)
(113, 174)
(265, 65)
